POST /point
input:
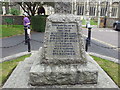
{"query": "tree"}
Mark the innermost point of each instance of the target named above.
(32, 7)
(6, 4)
(29, 7)
(119, 11)
(105, 17)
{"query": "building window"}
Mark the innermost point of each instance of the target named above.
(103, 11)
(80, 10)
(92, 11)
(114, 12)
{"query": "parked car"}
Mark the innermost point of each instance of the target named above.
(116, 25)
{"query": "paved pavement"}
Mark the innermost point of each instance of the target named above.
(39, 37)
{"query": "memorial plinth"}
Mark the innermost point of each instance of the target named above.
(63, 59)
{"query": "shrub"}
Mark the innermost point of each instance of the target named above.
(8, 21)
(38, 23)
(14, 12)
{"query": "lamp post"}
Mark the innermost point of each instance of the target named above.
(29, 46)
(27, 42)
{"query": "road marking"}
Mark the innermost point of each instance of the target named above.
(104, 43)
(105, 30)
(101, 30)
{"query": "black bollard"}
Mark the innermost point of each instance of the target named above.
(89, 35)
(88, 38)
(28, 42)
(86, 45)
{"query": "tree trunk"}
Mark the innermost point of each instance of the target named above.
(7, 8)
(119, 11)
(1, 10)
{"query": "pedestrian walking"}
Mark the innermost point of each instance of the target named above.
(26, 23)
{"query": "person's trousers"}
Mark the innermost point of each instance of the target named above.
(25, 29)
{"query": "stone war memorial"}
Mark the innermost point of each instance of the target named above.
(62, 62)
(63, 59)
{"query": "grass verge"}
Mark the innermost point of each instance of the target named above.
(6, 68)
(111, 68)
(11, 30)
(92, 22)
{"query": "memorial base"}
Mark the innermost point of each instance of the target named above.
(20, 76)
(70, 74)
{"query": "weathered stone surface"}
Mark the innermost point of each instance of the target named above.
(63, 7)
(62, 75)
(63, 59)
(63, 40)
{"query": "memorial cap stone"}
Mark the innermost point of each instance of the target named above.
(63, 7)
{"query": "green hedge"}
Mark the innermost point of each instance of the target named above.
(38, 23)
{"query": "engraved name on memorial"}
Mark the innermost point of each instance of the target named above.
(63, 41)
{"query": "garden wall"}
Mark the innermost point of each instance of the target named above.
(109, 22)
(12, 19)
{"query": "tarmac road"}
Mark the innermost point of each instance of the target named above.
(104, 37)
